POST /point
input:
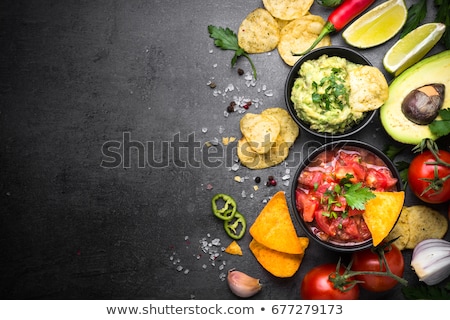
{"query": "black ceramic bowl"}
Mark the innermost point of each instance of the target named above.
(311, 228)
(331, 51)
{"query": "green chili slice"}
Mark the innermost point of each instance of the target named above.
(228, 210)
(236, 226)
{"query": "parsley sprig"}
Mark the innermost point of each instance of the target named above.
(441, 127)
(226, 39)
(354, 193)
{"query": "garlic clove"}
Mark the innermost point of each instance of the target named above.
(243, 285)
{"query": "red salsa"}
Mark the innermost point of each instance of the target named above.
(320, 194)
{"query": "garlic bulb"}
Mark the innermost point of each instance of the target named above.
(431, 260)
(242, 284)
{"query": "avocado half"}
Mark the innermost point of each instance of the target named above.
(434, 69)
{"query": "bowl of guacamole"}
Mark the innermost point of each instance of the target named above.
(318, 92)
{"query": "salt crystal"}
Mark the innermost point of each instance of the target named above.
(211, 51)
(204, 130)
(179, 268)
(204, 266)
(215, 65)
(216, 242)
(285, 177)
(288, 171)
(264, 87)
(286, 183)
(221, 129)
(269, 93)
(235, 167)
(243, 194)
(186, 237)
(226, 114)
(221, 267)
(186, 271)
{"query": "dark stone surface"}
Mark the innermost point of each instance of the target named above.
(81, 78)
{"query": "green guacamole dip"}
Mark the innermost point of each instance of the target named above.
(321, 95)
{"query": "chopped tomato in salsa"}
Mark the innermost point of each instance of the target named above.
(320, 199)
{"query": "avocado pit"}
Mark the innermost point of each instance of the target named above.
(422, 104)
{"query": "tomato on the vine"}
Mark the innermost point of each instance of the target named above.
(316, 285)
(368, 260)
(430, 182)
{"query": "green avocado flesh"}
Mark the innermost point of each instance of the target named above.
(434, 69)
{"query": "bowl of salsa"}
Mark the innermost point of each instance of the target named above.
(331, 186)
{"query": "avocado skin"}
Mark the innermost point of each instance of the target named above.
(434, 69)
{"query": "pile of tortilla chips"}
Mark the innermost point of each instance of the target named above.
(266, 138)
(283, 24)
(275, 243)
(417, 223)
(381, 213)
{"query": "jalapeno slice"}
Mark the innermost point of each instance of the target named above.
(236, 226)
(228, 210)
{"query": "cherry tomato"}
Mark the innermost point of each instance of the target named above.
(419, 170)
(317, 286)
(367, 260)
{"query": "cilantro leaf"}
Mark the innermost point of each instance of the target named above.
(416, 14)
(226, 39)
(441, 127)
(357, 196)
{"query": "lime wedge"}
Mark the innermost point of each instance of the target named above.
(377, 25)
(412, 47)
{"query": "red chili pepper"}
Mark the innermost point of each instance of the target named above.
(339, 18)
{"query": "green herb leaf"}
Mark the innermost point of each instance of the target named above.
(402, 167)
(226, 39)
(441, 127)
(357, 196)
(416, 14)
(424, 292)
(392, 151)
(442, 10)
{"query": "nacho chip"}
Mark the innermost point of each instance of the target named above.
(280, 264)
(279, 150)
(234, 248)
(288, 9)
(400, 232)
(298, 35)
(381, 213)
(289, 130)
(274, 228)
(368, 88)
(259, 32)
(252, 160)
(425, 223)
(260, 131)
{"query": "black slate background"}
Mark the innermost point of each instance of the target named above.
(79, 75)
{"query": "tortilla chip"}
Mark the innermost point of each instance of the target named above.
(260, 131)
(259, 32)
(368, 88)
(274, 228)
(288, 9)
(298, 35)
(425, 223)
(252, 160)
(381, 213)
(280, 264)
(289, 130)
(234, 248)
(400, 232)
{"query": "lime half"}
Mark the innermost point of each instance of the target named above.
(377, 25)
(412, 47)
